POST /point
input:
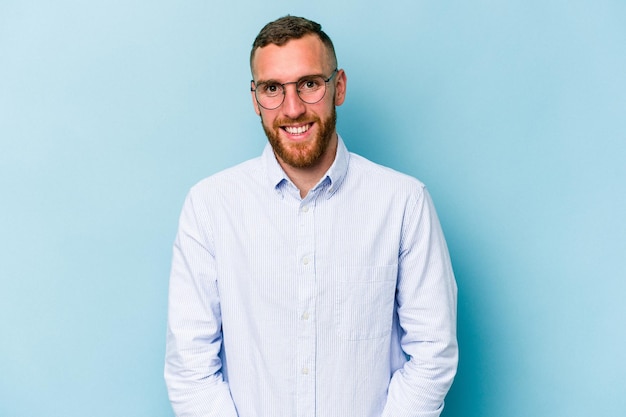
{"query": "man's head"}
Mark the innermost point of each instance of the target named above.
(284, 29)
(288, 57)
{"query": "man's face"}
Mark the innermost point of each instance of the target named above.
(302, 135)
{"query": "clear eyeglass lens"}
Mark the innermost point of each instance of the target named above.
(310, 90)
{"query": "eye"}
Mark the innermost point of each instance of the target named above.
(310, 84)
(270, 89)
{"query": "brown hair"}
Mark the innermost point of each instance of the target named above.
(286, 28)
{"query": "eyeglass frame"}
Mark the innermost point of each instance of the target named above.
(282, 85)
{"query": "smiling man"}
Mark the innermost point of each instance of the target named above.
(308, 282)
(298, 117)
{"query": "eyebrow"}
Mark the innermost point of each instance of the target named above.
(272, 81)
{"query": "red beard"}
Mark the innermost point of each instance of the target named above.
(302, 155)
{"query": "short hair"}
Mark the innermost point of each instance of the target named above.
(286, 28)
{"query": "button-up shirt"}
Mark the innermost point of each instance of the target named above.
(339, 304)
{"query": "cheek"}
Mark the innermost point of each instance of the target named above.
(266, 120)
(325, 109)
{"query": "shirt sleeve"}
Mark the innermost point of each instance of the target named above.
(193, 368)
(426, 304)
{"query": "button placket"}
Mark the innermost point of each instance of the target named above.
(306, 336)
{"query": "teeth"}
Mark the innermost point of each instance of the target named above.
(297, 130)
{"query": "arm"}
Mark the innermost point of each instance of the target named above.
(426, 305)
(192, 364)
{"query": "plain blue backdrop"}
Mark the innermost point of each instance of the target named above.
(512, 112)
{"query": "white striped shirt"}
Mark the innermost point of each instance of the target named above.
(341, 304)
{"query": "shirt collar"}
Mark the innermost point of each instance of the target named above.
(334, 176)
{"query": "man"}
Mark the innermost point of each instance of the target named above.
(308, 281)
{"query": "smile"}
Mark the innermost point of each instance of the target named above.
(297, 130)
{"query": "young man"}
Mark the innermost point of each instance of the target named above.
(308, 281)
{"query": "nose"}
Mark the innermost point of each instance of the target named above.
(293, 107)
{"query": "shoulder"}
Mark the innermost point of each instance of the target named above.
(382, 177)
(232, 179)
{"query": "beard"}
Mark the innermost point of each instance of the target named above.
(302, 155)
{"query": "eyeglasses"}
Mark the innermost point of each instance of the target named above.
(311, 89)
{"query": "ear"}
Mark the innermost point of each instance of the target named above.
(257, 110)
(341, 84)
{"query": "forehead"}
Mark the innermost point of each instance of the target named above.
(298, 57)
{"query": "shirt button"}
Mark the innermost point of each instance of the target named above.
(305, 371)
(305, 261)
(305, 316)
(305, 209)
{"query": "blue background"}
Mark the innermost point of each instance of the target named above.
(512, 112)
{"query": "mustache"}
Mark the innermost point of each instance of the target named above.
(297, 120)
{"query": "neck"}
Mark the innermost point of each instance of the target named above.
(306, 178)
